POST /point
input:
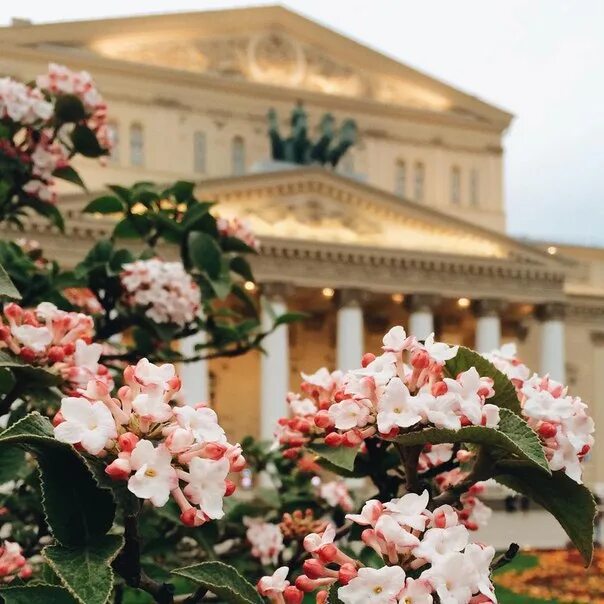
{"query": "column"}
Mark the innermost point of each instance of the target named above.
(274, 364)
(595, 466)
(349, 331)
(553, 344)
(421, 315)
(488, 325)
(194, 376)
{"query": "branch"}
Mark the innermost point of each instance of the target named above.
(410, 459)
(506, 557)
(128, 566)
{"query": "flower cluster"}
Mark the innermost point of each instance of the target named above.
(57, 340)
(39, 143)
(164, 290)
(240, 229)
(158, 448)
(12, 563)
(335, 493)
(386, 396)
(265, 538)
(432, 546)
(562, 421)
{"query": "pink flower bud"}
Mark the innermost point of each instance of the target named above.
(27, 354)
(352, 438)
(119, 469)
(322, 419)
(292, 595)
(127, 441)
(229, 487)
(13, 311)
(327, 553)
(291, 453)
(368, 358)
(192, 517)
(333, 439)
(548, 430)
(420, 359)
(56, 354)
(313, 568)
(322, 596)
(57, 419)
(347, 573)
(439, 388)
(174, 383)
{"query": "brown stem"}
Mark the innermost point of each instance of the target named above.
(410, 459)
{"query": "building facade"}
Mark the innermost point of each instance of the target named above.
(409, 229)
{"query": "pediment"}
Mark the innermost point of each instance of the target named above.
(261, 45)
(316, 205)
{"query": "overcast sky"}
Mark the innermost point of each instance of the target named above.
(543, 60)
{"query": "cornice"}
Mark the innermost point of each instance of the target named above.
(196, 83)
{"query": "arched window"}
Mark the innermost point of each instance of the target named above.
(400, 178)
(474, 188)
(137, 145)
(455, 185)
(113, 135)
(419, 181)
(238, 156)
(199, 152)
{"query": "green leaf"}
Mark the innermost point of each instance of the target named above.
(86, 571)
(196, 214)
(69, 108)
(182, 190)
(242, 267)
(332, 594)
(222, 580)
(27, 376)
(132, 227)
(571, 504)
(118, 259)
(234, 244)
(122, 192)
(7, 287)
(289, 317)
(513, 437)
(108, 204)
(341, 457)
(13, 465)
(78, 511)
(204, 253)
(505, 393)
(7, 380)
(70, 175)
(85, 142)
(32, 594)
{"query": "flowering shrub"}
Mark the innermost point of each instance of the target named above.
(12, 563)
(152, 444)
(42, 126)
(163, 290)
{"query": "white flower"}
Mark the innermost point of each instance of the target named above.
(465, 390)
(393, 533)
(203, 422)
(382, 369)
(302, 406)
(148, 374)
(87, 355)
(322, 378)
(540, 404)
(452, 577)
(417, 591)
(410, 510)
(479, 560)
(275, 583)
(438, 542)
(207, 484)
(439, 410)
(164, 289)
(266, 540)
(348, 414)
(369, 515)
(396, 340)
(88, 423)
(314, 542)
(396, 407)
(36, 338)
(374, 586)
(154, 476)
(439, 351)
(152, 407)
(564, 457)
(336, 493)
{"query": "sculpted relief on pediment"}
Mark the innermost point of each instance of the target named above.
(270, 57)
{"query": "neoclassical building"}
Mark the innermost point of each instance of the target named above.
(410, 229)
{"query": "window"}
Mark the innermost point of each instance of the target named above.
(137, 145)
(474, 188)
(199, 152)
(238, 156)
(400, 179)
(455, 185)
(113, 136)
(420, 178)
